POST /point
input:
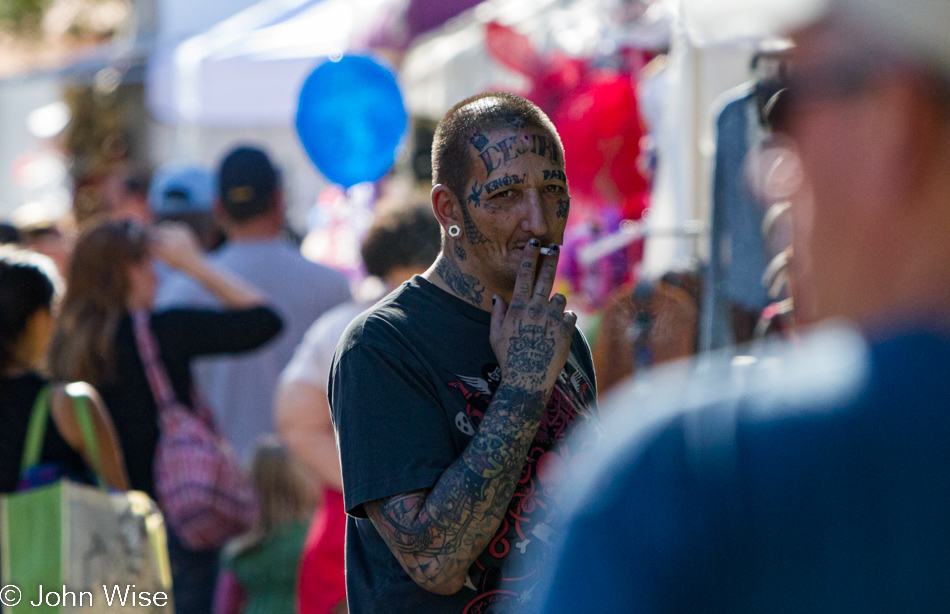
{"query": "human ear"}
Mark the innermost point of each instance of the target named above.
(446, 207)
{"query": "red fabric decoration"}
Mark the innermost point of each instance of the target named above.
(596, 114)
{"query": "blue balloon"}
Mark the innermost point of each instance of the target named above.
(351, 119)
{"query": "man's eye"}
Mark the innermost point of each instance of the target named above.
(503, 194)
(555, 189)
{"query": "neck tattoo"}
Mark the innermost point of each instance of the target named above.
(465, 286)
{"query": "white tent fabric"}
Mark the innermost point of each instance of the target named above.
(431, 69)
(248, 70)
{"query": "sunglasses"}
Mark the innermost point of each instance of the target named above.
(801, 85)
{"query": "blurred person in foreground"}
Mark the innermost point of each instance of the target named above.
(259, 569)
(400, 243)
(449, 396)
(821, 484)
(251, 209)
(111, 281)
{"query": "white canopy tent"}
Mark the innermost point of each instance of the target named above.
(239, 82)
(248, 70)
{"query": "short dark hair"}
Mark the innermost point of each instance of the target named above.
(402, 237)
(28, 282)
(483, 113)
(247, 183)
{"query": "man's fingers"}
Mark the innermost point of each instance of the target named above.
(545, 283)
(559, 302)
(525, 282)
(567, 326)
(498, 311)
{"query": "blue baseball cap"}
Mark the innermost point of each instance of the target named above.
(182, 188)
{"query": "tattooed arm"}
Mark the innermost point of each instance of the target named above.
(436, 534)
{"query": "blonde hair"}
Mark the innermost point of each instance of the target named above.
(282, 493)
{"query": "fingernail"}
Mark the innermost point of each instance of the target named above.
(534, 243)
(494, 300)
(554, 248)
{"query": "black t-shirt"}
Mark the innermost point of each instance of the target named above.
(182, 334)
(17, 395)
(409, 385)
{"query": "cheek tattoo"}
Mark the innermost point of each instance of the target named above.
(475, 236)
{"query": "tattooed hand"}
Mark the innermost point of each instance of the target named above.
(532, 336)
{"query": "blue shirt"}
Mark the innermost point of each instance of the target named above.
(813, 481)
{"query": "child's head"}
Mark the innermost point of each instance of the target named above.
(281, 489)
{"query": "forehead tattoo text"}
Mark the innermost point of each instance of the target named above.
(510, 148)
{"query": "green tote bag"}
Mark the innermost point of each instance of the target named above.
(67, 547)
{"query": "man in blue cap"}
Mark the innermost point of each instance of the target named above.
(817, 481)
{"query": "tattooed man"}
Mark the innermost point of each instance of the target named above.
(452, 397)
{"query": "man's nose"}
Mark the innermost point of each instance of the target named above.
(533, 221)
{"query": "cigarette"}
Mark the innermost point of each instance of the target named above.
(545, 251)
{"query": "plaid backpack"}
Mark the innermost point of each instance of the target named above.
(205, 495)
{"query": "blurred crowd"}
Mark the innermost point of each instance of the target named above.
(238, 316)
(804, 472)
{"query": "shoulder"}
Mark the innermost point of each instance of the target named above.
(370, 329)
(384, 323)
(689, 411)
(329, 328)
(311, 359)
(379, 344)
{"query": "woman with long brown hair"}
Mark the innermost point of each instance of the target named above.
(110, 278)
